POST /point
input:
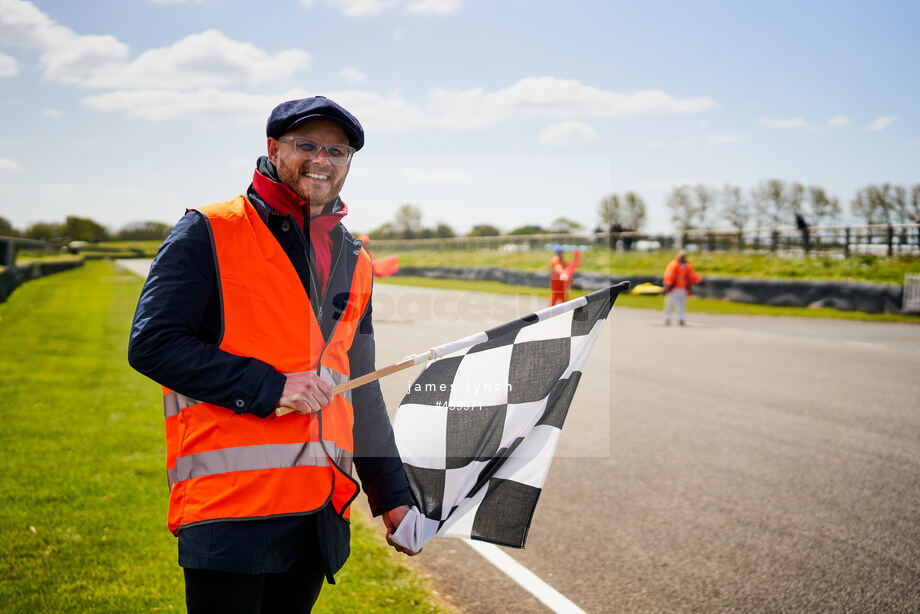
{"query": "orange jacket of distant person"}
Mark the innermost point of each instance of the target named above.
(680, 276)
(560, 277)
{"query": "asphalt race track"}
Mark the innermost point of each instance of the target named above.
(735, 464)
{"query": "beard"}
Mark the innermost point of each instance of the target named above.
(314, 192)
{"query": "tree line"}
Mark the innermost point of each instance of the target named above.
(407, 224)
(775, 203)
(772, 203)
(76, 228)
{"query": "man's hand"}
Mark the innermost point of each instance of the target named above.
(305, 392)
(392, 520)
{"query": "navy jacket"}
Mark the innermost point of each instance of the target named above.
(174, 339)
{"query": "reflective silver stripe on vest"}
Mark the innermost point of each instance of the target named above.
(342, 458)
(326, 374)
(250, 458)
(171, 477)
(174, 402)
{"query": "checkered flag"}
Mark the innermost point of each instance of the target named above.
(477, 429)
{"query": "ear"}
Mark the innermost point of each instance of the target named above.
(273, 147)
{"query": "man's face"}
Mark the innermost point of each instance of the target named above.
(316, 181)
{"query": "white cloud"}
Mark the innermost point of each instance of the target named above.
(435, 7)
(165, 105)
(795, 122)
(55, 113)
(657, 143)
(353, 75)
(839, 121)
(550, 98)
(723, 138)
(880, 123)
(367, 8)
(65, 55)
(469, 109)
(9, 67)
(435, 176)
(7, 164)
(567, 134)
(363, 8)
(208, 59)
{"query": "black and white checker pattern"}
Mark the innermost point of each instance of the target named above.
(478, 428)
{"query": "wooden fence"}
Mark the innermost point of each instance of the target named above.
(881, 240)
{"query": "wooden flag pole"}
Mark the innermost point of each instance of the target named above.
(448, 348)
(405, 363)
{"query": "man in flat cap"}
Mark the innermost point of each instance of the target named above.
(253, 304)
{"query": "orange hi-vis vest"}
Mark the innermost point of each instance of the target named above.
(222, 465)
(681, 276)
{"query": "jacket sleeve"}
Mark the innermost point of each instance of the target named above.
(376, 457)
(177, 328)
(668, 278)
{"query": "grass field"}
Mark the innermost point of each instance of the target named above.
(695, 304)
(82, 471)
(719, 264)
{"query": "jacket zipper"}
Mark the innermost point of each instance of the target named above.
(314, 274)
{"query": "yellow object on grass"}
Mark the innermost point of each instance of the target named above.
(647, 288)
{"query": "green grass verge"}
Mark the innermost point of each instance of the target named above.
(718, 264)
(22, 260)
(696, 304)
(81, 474)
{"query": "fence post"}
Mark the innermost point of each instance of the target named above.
(7, 253)
(890, 240)
(846, 243)
(774, 238)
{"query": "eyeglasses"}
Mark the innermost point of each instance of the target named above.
(307, 149)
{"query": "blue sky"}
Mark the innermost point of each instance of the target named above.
(507, 112)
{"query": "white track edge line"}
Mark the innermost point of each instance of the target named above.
(550, 597)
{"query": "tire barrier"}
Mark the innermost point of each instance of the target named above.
(14, 276)
(845, 296)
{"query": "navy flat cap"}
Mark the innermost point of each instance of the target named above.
(291, 113)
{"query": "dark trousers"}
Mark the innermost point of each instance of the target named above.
(219, 592)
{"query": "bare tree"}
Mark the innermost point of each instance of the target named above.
(704, 199)
(565, 225)
(913, 211)
(735, 210)
(684, 212)
(900, 204)
(608, 211)
(823, 209)
(633, 211)
(771, 203)
(795, 195)
(408, 220)
(873, 204)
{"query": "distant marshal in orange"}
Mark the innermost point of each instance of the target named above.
(560, 275)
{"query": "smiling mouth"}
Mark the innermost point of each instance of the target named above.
(319, 176)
